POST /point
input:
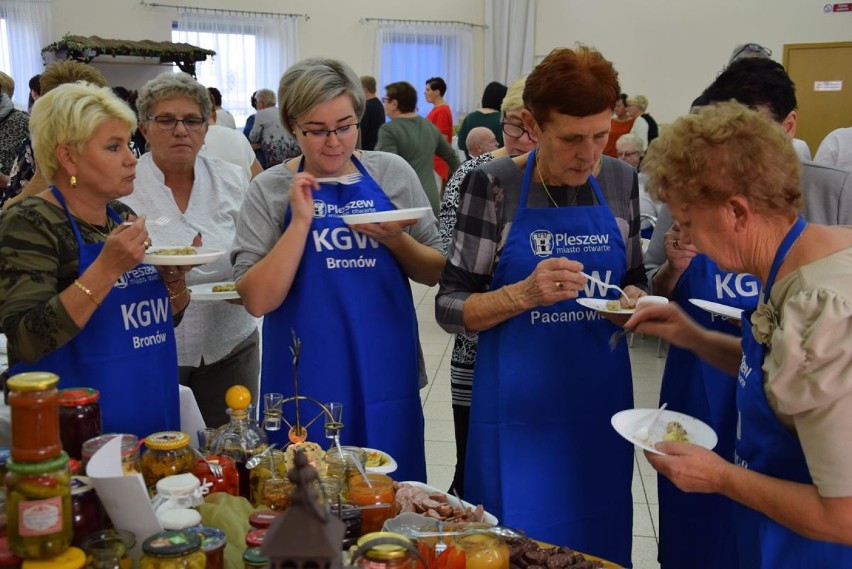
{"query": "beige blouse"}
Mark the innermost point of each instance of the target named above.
(808, 367)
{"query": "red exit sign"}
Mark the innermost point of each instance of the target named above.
(842, 7)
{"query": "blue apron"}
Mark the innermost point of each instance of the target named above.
(765, 445)
(351, 306)
(542, 455)
(126, 350)
(697, 530)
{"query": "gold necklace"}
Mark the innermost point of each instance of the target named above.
(543, 185)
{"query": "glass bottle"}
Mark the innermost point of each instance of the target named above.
(240, 438)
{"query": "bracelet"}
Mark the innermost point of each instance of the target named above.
(86, 290)
(185, 290)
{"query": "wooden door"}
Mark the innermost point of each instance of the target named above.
(822, 73)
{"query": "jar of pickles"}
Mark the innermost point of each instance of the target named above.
(228, 482)
(38, 504)
(483, 551)
(273, 463)
(79, 418)
(34, 402)
(173, 550)
(341, 464)
(380, 492)
(130, 463)
(167, 453)
(254, 559)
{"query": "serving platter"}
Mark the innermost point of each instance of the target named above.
(627, 422)
(488, 518)
(202, 256)
(382, 216)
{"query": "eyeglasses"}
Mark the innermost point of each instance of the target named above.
(756, 48)
(514, 130)
(168, 123)
(322, 133)
(386, 100)
(628, 154)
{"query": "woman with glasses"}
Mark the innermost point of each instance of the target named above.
(541, 453)
(342, 290)
(518, 140)
(193, 199)
(631, 150)
(74, 298)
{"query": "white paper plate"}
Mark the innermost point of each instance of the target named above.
(645, 244)
(488, 518)
(203, 255)
(381, 216)
(627, 422)
(205, 292)
(718, 309)
(599, 304)
(386, 468)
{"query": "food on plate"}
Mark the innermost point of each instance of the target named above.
(376, 458)
(174, 251)
(525, 553)
(230, 287)
(435, 505)
(313, 452)
(615, 305)
(675, 433)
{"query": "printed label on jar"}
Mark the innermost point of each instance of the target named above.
(40, 517)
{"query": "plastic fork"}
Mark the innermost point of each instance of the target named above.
(644, 431)
(606, 285)
(215, 467)
(344, 180)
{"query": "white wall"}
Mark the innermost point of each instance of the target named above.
(668, 50)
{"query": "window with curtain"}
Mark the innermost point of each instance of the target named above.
(252, 52)
(25, 28)
(416, 52)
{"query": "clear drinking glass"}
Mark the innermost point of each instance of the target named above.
(272, 411)
(334, 419)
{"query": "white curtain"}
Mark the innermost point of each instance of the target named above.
(416, 52)
(509, 39)
(252, 52)
(28, 28)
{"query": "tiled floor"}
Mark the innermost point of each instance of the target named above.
(440, 441)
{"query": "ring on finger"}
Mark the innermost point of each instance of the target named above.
(676, 243)
(146, 243)
(560, 285)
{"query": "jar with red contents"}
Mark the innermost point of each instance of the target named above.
(262, 519)
(229, 482)
(87, 516)
(79, 418)
(255, 537)
(34, 403)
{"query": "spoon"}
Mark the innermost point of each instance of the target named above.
(643, 432)
(255, 460)
(606, 285)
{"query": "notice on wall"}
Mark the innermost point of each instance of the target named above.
(828, 85)
(835, 8)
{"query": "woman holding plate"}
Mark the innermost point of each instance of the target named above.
(343, 290)
(74, 298)
(730, 179)
(194, 199)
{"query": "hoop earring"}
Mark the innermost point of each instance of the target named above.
(73, 181)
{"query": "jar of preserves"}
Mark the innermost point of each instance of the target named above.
(483, 551)
(341, 464)
(34, 402)
(379, 492)
(109, 548)
(181, 518)
(79, 418)
(213, 542)
(384, 550)
(276, 494)
(273, 463)
(173, 550)
(254, 559)
(167, 453)
(86, 513)
(262, 519)
(71, 558)
(228, 482)
(254, 538)
(38, 505)
(130, 463)
(178, 491)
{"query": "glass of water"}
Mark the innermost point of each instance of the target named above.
(333, 419)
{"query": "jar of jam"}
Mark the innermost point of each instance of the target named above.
(228, 482)
(71, 558)
(254, 559)
(167, 453)
(274, 460)
(38, 505)
(380, 492)
(180, 518)
(262, 519)
(86, 513)
(384, 550)
(213, 542)
(109, 548)
(34, 402)
(254, 538)
(173, 550)
(130, 463)
(483, 551)
(79, 418)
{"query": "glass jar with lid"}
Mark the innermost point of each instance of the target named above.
(254, 559)
(109, 548)
(166, 453)
(384, 550)
(228, 482)
(483, 551)
(87, 515)
(130, 463)
(173, 550)
(341, 464)
(379, 492)
(38, 504)
(34, 404)
(213, 542)
(79, 418)
(178, 491)
(272, 465)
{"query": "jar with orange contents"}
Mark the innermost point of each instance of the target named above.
(483, 551)
(34, 402)
(167, 454)
(377, 500)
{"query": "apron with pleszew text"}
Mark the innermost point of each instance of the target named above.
(765, 445)
(350, 305)
(697, 530)
(126, 350)
(542, 455)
